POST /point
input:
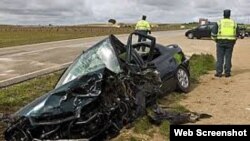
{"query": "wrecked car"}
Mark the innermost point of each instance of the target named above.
(106, 87)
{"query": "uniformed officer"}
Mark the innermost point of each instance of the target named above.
(225, 34)
(143, 27)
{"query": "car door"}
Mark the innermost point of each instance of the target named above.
(166, 65)
(202, 31)
(210, 26)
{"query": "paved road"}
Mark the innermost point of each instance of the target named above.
(24, 62)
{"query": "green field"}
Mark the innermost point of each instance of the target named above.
(21, 35)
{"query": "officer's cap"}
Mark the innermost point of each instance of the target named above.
(227, 13)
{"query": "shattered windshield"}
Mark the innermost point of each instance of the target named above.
(100, 56)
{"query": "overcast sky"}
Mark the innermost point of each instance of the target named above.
(95, 11)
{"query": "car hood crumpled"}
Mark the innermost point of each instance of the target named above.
(67, 98)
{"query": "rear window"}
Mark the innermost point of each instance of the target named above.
(203, 27)
(211, 26)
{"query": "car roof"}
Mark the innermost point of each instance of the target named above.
(211, 23)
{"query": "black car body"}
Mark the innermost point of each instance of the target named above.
(102, 90)
(200, 32)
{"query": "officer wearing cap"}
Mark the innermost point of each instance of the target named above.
(143, 27)
(225, 34)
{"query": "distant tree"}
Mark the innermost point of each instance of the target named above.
(113, 21)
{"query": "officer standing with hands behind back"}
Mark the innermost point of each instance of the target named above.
(225, 34)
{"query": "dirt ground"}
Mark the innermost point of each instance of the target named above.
(226, 99)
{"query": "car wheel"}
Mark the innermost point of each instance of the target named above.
(183, 81)
(190, 35)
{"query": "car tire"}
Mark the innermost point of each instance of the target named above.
(190, 35)
(183, 80)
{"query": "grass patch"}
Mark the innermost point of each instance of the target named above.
(133, 139)
(20, 35)
(165, 128)
(171, 102)
(142, 125)
(16, 96)
(201, 64)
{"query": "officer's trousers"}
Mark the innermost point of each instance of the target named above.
(224, 56)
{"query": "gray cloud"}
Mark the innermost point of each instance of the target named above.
(44, 12)
(92, 11)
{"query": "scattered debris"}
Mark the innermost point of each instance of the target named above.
(175, 118)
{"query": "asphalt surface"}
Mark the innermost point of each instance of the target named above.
(20, 63)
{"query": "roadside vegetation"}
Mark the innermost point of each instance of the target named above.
(200, 64)
(14, 97)
(22, 35)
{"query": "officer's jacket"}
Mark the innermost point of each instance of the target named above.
(142, 25)
(226, 30)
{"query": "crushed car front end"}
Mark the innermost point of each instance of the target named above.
(93, 95)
